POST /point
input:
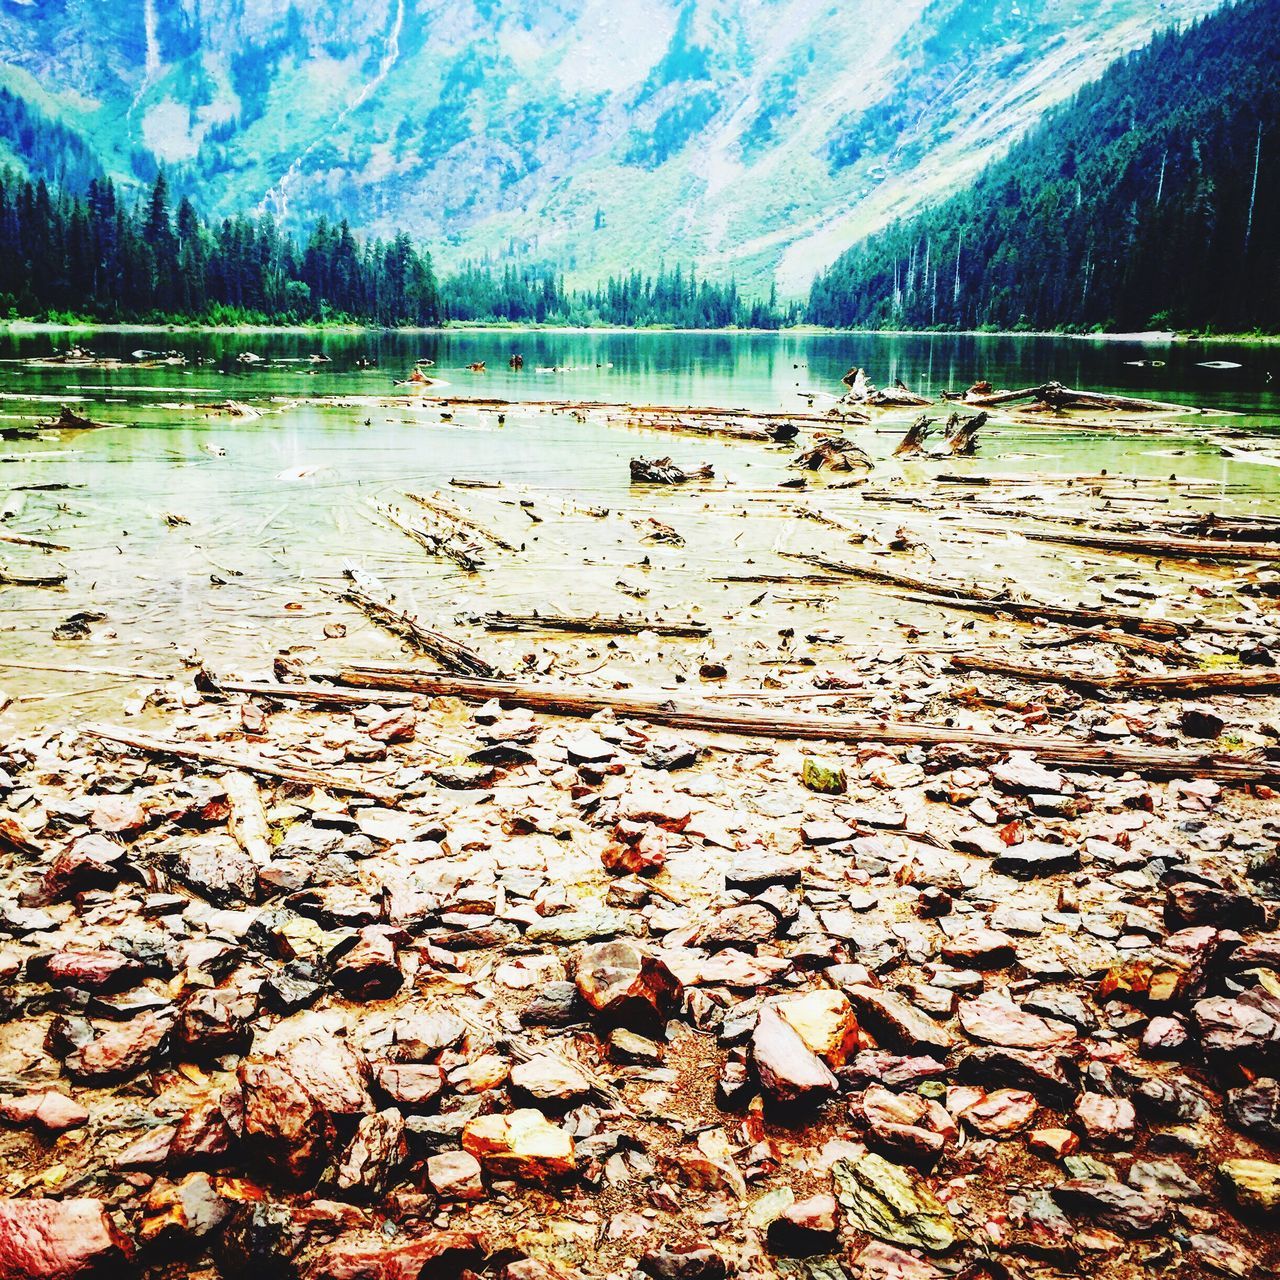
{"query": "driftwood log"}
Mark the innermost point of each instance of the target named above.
(1170, 684)
(373, 598)
(1064, 751)
(323, 779)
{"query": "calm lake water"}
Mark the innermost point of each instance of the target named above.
(766, 371)
(197, 534)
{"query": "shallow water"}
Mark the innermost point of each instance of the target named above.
(271, 524)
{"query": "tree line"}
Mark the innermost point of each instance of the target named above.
(100, 256)
(105, 256)
(1151, 199)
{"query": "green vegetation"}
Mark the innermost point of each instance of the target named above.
(95, 258)
(65, 259)
(1151, 200)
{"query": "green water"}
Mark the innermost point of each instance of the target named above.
(276, 505)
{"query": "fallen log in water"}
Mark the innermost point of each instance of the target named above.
(462, 520)
(41, 544)
(1165, 548)
(664, 471)
(371, 596)
(323, 779)
(439, 542)
(10, 579)
(576, 701)
(594, 623)
(1175, 684)
(1056, 396)
(958, 595)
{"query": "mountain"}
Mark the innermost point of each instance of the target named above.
(755, 138)
(1152, 199)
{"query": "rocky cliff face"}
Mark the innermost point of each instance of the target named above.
(755, 137)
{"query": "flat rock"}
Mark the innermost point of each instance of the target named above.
(1253, 1184)
(897, 1023)
(50, 1112)
(1001, 1114)
(893, 1203)
(1114, 1205)
(993, 1018)
(1110, 1122)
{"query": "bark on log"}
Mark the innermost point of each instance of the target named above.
(592, 624)
(439, 542)
(913, 441)
(1165, 548)
(1175, 684)
(462, 520)
(962, 434)
(248, 821)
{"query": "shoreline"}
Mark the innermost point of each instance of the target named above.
(1163, 338)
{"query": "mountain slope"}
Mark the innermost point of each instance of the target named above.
(756, 139)
(1153, 198)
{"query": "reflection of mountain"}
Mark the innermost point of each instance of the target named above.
(751, 136)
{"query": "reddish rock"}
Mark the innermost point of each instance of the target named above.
(897, 1023)
(1053, 1144)
(51, 1112)
(693, 1261)
(283, 1121)
(881, 1261)
(549, 1079)
(978, 947)
(993, 1018)
(906, 1124)
(202, 1138)
(437, 1255)
(624, 984)
(1109, 1122)
(90, 969)
(121, 1051)
(118, 815)
(182, 1212)
(638, 849)
(374, 1154)
(209, 1027)
(789, 1071)
(806, 1228)
(412, 1085)
(1002, 1113)
(91, 862)
(1112, 1204)
(1165, 1037)
(364, 967)
(455, 1175)
(59, 1240)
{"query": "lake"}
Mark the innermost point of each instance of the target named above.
(199, 536)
